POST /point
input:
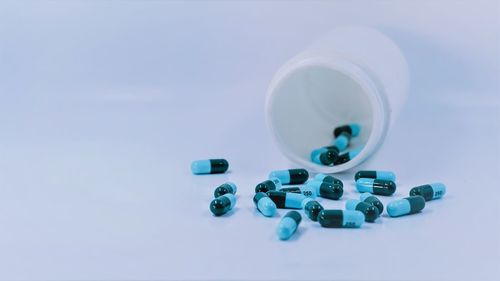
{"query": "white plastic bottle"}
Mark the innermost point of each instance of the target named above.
(352, 75)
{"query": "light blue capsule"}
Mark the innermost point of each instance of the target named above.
(282, 175)
(342, 141)
(353, 218)
(309, 191)
(288, 225)
(398, 208)
(231, 198)
(201, 167)
(386, 175)
(355, 129)
(266, 206)
(439, 190)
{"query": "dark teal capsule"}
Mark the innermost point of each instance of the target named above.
(293, 189)
(326, 189)
(381, 175)
(264, 204)
(222, 204)
(227, 187)
(210, 166)
(286, 200)
(370, 199)
(268, 185)
(340, 218)
(406, 206)
(291, 176)
(429, 191)
(312, 209)
(351, 129)
(371, 212)
(379, 187)
(288, 225)
(346, 157)
(328, 178)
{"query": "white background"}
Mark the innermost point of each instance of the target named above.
(104, 104)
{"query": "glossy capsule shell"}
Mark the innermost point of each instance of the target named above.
(224, 188)
(406, 206)
(326, 189)
(381, 175)
(429, 191)
(286, 200)
(288, 225)
(371, 212)
(370, 199)
(312, 209)
(264, 204)
(210, 166)
(268, 185)
(222, 204)
(375, 186)
(342, 140)
(352, 129)
(291, 176)
(327, 157)
(341, 218)
(293, 189)
(346, 157)
(328, 178)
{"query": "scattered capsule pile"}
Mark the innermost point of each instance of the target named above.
(330, 155)
(276, 192)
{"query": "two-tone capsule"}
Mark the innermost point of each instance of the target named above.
(325, 155)
(292, 189)
(312, 208)
(370, 199)
(342, 140)
(268, 185)
(286, 200)
(223, 204)
(352, 129)
(341, 218)
(346, 157)
(210, 166)
(288, 225)
(406, 206)
(224, 188)
(381, 175)
(325, 189)
(328, 178)
(429, 191)
(371, 212)
(376, 186)
(291, 176)
(264, 204)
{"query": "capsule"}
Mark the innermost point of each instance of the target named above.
(326, 189)
(346, 157)
(371, 212)
(370, 199)
(312, 208)
(288, 225)
(406, 206)
(264, 204)
(286, 200)
(352, 129)
(381, 175)
(227, 187)
(326, 157)
(292, 176)
(328, 178)
(268, 185)
(340, 218)
(211, 166)
(293, 189)
(318, 151)
(342, 140)
(429, 191)
(222, 204)
(374, 186)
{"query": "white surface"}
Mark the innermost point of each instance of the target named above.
(103, 106)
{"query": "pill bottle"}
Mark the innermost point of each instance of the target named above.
(352, 75)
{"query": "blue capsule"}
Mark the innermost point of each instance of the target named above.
(312, 208)
(325, 155)
(223, 204)
(227, 187)
(210, 166)
(381, 175)
(342, 141)
(264, 204)
(340, 218)
(371, 212)
(291, 176)
(352, 129)
(375, 186)
(309, 191)
(324, 189)
(406, 206)
(288, 225)
(286, 200)
(429, 191)
(346, 157)
(370, 199)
